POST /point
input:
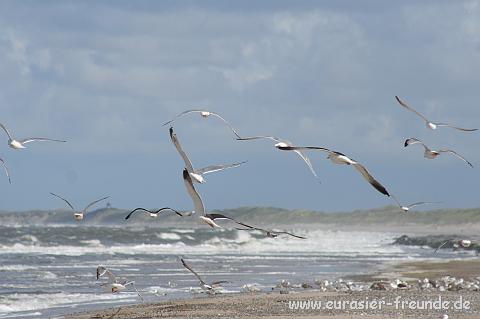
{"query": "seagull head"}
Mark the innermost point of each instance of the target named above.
(281, 144)
(78, 216)
(432, 126)
(205, 113)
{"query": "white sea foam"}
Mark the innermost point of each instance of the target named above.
(321, 242)
(29, 302)
(169, 236)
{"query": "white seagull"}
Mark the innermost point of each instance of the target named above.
(342, 159)
(410, 206)
(208, 219)
(208, 288)
(6, 170)
(283, 144)
(19, 144)
(433, 154)
(197, 174)
(79, 215)
(153, 213)
(430, 124)
(114, 285)
(204, 114)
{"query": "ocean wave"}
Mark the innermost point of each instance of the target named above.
(320, 242)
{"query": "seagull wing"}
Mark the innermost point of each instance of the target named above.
(442, 245)
(299, 150)
(192, 271)
(66, 201)
(249, 138)
(220, 216)
(6, 170)
(226, 122)
(411, 109)
(290, 234)
(93, 203)
(379, 187)
(152, 212)
(102, 271)
(412, 140)
(39, 139)
(188, 163)
(182, 114)
(307, 161)
(6, 131)
(197, 200)
(421, 203)
(457, 128)
(457, 155)
(216, 168)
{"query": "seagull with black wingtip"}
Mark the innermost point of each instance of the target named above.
(79, 215)
(153, 213)
(197, 174)
(342, 159)
(432, 125)
(433, 154)
(20, 144)
(204, 114)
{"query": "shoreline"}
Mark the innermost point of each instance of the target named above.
(278, 305)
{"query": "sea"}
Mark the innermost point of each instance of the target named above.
(50, 271)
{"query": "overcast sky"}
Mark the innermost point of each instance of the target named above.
(105, 74)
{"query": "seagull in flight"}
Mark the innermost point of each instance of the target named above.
(342, 159)
(283, 145)
(79, 215)
(114, 285)
(6, 170)
(433, 154)
(410, 206)
(432, 125)
(153, 213)
(208, 288)
(204, 114)
(197, 174)
(19, 144)
(209, 219)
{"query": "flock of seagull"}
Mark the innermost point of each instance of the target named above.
(191, 176)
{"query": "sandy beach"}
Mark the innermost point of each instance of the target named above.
(390, 303)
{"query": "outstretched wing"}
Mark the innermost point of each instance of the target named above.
(457, 155)
(66, 201)
(6, 131)
(376, 184)
(94, 202)
(290, 234)
(421, 203)
(188, 163)
(152, 212)
(221, 216)
(192, 271)
(443, 245)
(197, 200)
(39, 139)
(216, 168)
(456, 127)
(411, 109)
(226, 122)
(182, 114)
(6, 170)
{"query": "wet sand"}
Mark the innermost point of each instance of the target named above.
(276, 305)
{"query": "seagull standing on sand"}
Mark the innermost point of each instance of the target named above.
(208, 219)
(283, 144)
(204, 114)
(6, 170)
(208, 288)
(433, 154)
(153, 213)
(113, 284)
(197, 174)
(342, 159)
(79, 215)
(19, 144)
(432, 125)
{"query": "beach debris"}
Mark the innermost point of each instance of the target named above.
(379, 286)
